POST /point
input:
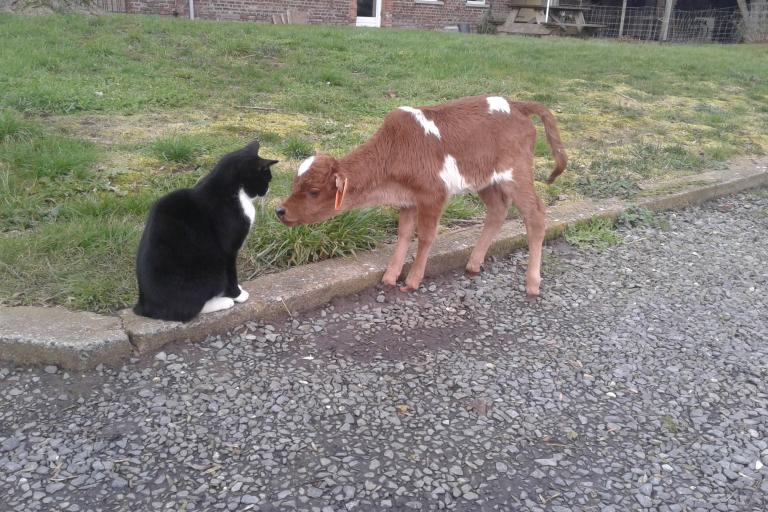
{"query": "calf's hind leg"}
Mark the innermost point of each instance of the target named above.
(497, 205)
(405, 228)
(532, 209)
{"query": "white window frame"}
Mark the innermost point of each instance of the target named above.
(367, 21)
(477, 3)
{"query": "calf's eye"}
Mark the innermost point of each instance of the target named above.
(314, 193)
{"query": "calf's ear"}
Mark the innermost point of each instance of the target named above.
(341, 189)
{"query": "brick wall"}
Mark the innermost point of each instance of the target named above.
(164, 7)
(410, 13)
(330, 12)
(394, 13)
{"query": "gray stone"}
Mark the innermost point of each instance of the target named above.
(9, 444)
(644, 500)
(119, 482)
(314, 492)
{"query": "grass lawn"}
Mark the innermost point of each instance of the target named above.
(99, 116)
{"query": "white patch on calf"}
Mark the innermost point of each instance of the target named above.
(246, 202)
(497, 104)
(499, 177)
(429, 126)
(454, 181)
(306, 164)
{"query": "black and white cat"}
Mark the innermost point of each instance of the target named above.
(186, 263)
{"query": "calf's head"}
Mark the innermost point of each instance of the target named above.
(314, 195)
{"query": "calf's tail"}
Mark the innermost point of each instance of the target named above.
(550, 128)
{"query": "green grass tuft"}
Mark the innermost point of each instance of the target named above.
(669, 424)
(642, 217)
(182, 149)
(273, 245)
(463, 207)
(14, 129)
(298, 148)
(597, 234)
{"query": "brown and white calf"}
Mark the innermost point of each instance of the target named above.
(419, 158)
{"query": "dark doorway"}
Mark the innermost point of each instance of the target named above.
(365, 8)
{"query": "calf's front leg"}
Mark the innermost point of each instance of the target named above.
(428, 218)
(405, 228)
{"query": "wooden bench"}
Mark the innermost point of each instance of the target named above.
(533, 20)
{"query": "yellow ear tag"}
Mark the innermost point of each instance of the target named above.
(340, 195)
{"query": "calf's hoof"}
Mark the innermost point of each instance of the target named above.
(532, 285)
(473, 270)
(411, 285)
(389, 280)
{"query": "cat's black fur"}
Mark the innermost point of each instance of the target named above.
(187, 254)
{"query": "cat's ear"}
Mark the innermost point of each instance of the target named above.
(268, 163)
(253, 147)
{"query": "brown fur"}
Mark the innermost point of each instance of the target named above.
(401, 166)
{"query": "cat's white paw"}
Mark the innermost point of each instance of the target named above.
(243, 295)
(217, 304)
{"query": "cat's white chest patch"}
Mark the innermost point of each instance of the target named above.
(247, 205)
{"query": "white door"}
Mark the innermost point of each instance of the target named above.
(368, 13)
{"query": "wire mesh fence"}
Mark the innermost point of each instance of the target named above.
(645, 23)
(112, 5)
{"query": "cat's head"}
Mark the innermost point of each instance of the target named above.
(251, 172)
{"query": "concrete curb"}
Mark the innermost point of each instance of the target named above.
(83, 340)
(74, 340)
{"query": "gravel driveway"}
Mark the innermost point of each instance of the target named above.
(637, 381)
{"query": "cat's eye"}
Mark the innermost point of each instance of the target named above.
(314, 193)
